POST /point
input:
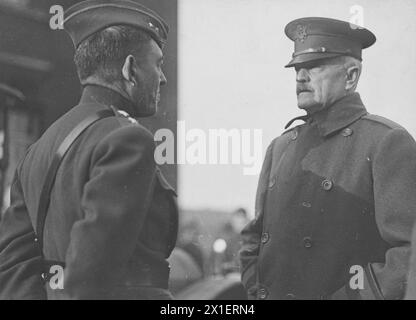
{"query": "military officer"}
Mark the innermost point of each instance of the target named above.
(111, 219)
(336, 196)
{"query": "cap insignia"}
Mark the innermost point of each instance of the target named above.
(300, 33)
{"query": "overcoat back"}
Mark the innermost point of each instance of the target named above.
(112, 219)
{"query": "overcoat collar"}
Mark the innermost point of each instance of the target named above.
(342, 113)
(107, 97)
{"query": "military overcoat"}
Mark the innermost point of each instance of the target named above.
(335, 200)
(112, 218)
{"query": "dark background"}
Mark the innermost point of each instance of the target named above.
(38, 61)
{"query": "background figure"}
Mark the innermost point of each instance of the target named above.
(211, 240)
(227, 244)
(189, 241)
(188, 258)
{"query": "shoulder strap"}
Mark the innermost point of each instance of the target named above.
(45, 195)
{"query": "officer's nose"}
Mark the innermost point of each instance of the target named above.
(163, 79)
(302, 75)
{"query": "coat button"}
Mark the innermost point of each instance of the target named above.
(272, 182)
(265, 237)
(307, 242)
(347, 132)
(262, 294)
(327, 185)
(36, 240)
(290, 296)
(294, 135)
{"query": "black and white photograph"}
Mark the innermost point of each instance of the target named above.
(207, 150)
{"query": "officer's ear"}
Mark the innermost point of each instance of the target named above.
(129, 70)
(353, 74)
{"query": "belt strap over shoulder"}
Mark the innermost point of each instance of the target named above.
(45, 195)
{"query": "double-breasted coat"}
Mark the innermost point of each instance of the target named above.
(112, 219)
(335, 202)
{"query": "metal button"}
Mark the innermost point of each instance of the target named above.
(265, 237)
(294, 135)
(36, 240)
(290, 296)
(262, 294)
(44, 276)
(327, 185)
(347, 132)
(272, 182)
(307, 242)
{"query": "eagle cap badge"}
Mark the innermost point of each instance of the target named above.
(301, 33)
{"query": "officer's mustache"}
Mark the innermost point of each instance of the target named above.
(300, 89)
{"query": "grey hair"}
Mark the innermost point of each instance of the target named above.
(102, 54)
(349, 62)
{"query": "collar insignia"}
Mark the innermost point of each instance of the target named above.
(126, 115)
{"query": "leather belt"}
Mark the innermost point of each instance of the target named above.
(45, 195)
(53, 169)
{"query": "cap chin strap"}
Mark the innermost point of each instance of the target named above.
(325, 50)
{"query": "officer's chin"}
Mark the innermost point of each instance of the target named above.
(309, 105)
(305, 104)
(146, 111)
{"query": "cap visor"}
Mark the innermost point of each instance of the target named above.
(309, 57)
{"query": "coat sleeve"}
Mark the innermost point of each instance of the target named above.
(115, 201)
(411, 281)
(21, 261)
(251, 234)
(394, 175)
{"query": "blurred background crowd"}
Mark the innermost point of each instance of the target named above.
(205, 263)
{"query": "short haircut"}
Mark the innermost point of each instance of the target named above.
(348, 62)
(102, 54)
